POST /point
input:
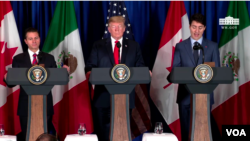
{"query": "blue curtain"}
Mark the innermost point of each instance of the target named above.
(147, 20)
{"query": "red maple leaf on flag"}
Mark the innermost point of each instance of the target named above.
(6, 55)
(170, 68)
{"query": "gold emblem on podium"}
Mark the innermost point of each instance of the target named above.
(203, 73)
(37, 75)
(120, 73)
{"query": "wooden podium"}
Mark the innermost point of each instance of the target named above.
(120, 119)
(37, 96)
(200, 99)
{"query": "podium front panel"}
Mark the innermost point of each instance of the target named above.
(37, 90)
(56, 76)
(120, 89)
(102, 76)
(201, 88)
(185, 75)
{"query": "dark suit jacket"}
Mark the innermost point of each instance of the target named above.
(183, 57)
(22, 60)
(102, 57)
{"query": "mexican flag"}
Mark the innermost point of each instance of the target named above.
(232, 104)
(72, 101)
(162, 92)
(10, 46)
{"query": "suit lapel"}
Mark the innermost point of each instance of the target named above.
(42, 61)
(124, 50)
(27, 59)
(189, 50)
(205, 46)
(110, 51)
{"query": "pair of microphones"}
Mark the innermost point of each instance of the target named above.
(198, 46)
(39, 56)
(118, 44)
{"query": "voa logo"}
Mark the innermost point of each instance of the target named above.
(236, 132)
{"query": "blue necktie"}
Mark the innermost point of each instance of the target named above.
(196, 55)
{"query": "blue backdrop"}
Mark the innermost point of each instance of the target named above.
(147, 19)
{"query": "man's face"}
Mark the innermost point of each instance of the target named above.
(196, 30)
(32, 40)
(116, 29)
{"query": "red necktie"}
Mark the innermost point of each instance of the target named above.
(34, 59)
(116, 56)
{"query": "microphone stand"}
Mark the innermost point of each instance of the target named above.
(197, 47)
(119, 60)
(119, 46)
(203, 56)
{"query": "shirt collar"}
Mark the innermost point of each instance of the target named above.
(199, 41)
(113, 40)
(31, 52)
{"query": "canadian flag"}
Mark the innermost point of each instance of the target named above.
(162, 92)
(10, 45)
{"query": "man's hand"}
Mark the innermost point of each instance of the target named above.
(65, 66)
(150, 73)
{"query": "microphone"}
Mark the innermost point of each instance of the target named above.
(118, 44)
(39, 56)
(197, 47)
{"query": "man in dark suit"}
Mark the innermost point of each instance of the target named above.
(26, 60)
(185, 56)
(105, 54)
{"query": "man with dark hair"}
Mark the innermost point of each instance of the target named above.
(26, 60)
(198, 18)
(30, 29)
(105, 54)
(185, 56)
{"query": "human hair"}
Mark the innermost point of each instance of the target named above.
(117, 19)
(30, 29)
(46, 137)
(198, 18)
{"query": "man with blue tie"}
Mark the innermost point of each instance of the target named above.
(185, 56)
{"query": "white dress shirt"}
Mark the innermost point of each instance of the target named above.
(193, 41)
(31, 55)
(113, 45)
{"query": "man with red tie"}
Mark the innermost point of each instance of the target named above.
(26, 60)
(104, 54)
